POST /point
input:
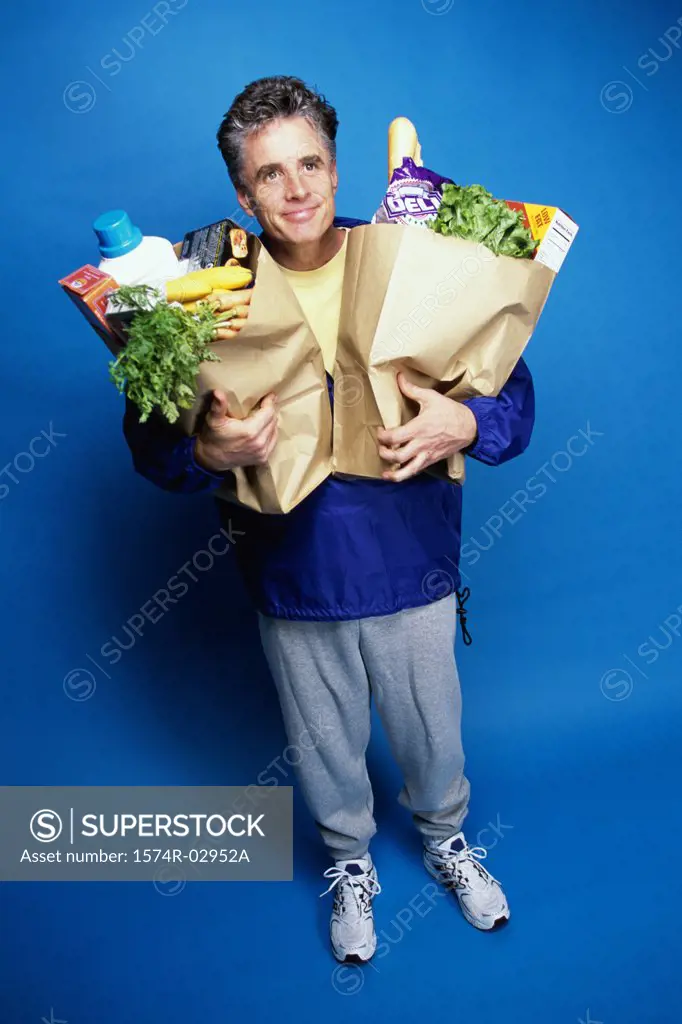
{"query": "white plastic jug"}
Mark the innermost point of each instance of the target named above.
(131, 257)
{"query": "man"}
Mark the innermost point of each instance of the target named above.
(340, 582)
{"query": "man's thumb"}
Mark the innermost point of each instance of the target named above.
(219, 404)
(269, 400)
(412, 390)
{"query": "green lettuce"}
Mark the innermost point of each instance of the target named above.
(469, 211)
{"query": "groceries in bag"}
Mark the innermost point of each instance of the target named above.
(418, 196)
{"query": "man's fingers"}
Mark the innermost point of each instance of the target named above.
(263, 444)
(270, 449)
(400, 455)
(265, 432)
(264, 416)
(229, 300)
(252, 425)
(416, 465)
(398, 435)
(271, 441)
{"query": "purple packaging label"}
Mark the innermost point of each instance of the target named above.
(413, 195)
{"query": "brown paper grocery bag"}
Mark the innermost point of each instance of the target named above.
(447, 312)
(274, 351)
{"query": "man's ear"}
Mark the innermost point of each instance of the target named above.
(334, 175)
(246, 203)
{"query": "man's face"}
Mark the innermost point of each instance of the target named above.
(290, 181)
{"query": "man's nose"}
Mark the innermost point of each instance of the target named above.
(296, 186)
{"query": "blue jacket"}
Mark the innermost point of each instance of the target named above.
(354, 547)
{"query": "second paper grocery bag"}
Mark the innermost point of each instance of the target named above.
(447, 312)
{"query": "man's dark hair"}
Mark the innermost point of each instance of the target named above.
(268, 99)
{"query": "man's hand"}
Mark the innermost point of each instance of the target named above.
(240, 304)
(226, 442)
(441, 428)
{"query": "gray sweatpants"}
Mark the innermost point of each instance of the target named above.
(326, 674)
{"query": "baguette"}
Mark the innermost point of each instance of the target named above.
(402, 141)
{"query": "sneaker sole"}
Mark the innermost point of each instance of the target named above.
(497, 924)
(354, 958)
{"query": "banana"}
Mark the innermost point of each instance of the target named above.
(186, 289)
(231, 278)
(201, 283)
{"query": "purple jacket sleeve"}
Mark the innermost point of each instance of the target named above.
(505, 423)
(162, 454)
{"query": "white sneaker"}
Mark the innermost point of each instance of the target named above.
(456, 865)
(351, 928)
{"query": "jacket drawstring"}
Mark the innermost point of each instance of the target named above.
(462, 597)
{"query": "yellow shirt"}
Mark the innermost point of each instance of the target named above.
(319, 296)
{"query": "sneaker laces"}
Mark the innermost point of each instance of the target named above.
(361, 887)
(463, 868)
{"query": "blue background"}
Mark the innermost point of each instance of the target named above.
(581, 765)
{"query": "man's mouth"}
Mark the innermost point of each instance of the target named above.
(299, 216)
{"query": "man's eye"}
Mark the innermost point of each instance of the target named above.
(267, 176)
(312, 164)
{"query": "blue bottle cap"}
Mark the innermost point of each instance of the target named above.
(116, 234)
